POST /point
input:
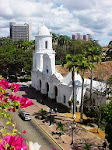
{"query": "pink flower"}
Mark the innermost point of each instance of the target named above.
(5, 100)
(9, 109)
(13, 109)
(4, 84)
(15, 87)
(24, 131)
(24, 102)
(14, 142)
(1, 97)
(14, 98)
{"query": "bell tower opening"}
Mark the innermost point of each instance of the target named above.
(46, 44)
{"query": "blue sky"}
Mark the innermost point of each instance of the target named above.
(63, 17)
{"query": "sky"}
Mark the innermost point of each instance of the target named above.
(65, 17)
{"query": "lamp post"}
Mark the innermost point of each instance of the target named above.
(73, 126)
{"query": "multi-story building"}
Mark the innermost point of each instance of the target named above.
(78, 36)
(89, 37)
(19, 31)
(73, 37)
(84, 37)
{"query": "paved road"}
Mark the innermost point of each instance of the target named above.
(33, 133)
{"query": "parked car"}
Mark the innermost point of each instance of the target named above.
(25, 115)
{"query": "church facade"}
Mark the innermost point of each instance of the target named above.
(46, 79)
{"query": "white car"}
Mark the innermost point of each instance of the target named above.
(25, 115)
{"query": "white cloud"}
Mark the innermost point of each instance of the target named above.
(64, 17)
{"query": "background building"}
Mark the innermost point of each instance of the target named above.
(78, 36)
(19, 31)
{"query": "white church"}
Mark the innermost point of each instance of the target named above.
(46, 79)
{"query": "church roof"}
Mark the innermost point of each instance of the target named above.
(101, 72)
(67, 76)
(62, 70)
(43, 30)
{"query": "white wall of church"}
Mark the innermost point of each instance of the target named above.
(64, 94)
(44, 77)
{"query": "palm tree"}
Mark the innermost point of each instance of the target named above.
(71, 64)
(93, 55)
(109, 50)
(82, 65)
(54, 38)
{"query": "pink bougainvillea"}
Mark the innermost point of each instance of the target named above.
(11, 103)
(15, 87)
(24, 131)
(12, 143)
(4, 84)
(24, 102)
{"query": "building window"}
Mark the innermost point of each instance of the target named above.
(64, 99)
(46, 44)
(47, 70)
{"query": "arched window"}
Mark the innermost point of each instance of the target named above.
(64, 99)
(46, 44)
(47, 70)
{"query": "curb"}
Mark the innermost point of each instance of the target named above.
(47, 133)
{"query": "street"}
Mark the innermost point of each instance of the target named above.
(33, 133)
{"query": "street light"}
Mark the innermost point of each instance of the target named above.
(73, 126)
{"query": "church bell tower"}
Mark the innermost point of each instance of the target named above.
(44, 56)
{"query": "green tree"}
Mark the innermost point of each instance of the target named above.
(71, 64)
(60, 54)
(13, 58)
(93, 54)
(108, 120)
(79, 47)
(109, 50)
(60, 127)
(82, 65)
